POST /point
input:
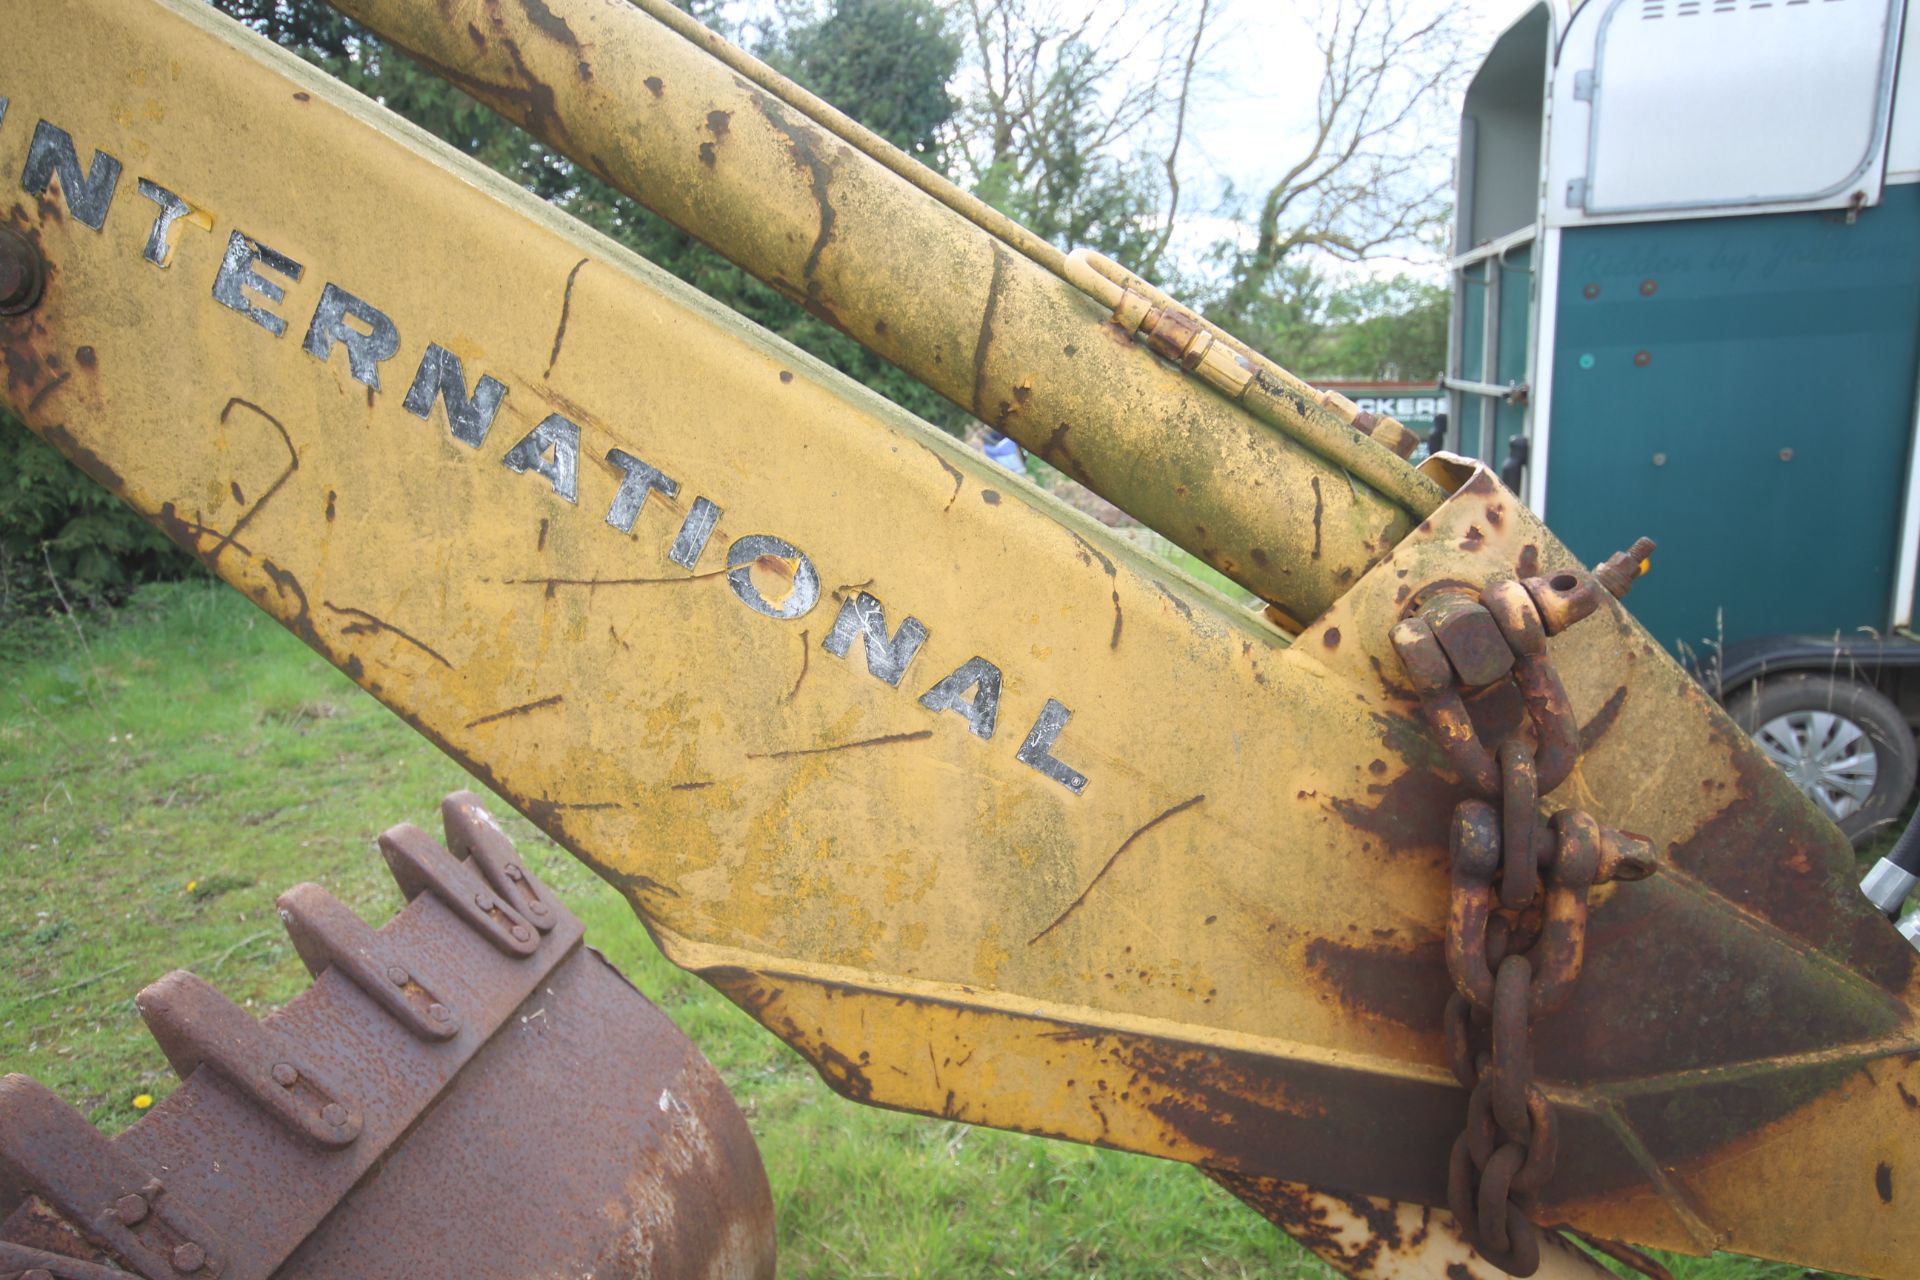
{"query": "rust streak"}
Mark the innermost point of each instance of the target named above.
(689, 786)
(551, 583)
(1319, 509)
(951, 470)
(566, 311)
(802, 145)
(186, 534)
(1113, 642)
(1126, 844)
(634, 882)
(46, 391)
(1175, 600)
(293, 465)
(536, 100)
(548, 701)
(805, 659)
(368, 624)
(551, 23)
(984, 342)
(884, 740)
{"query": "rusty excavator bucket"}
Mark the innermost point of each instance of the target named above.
(1432, 908)
(416, 1114)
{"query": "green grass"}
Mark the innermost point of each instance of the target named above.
(167, 771)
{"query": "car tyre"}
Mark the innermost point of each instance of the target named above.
(1844, 744)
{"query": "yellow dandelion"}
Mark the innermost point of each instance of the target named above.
(192, 885)
(142, 1101)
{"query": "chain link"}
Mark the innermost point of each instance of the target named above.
(1517, 911)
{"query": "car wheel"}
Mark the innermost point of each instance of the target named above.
(1842, 742)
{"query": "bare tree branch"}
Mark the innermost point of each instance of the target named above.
(1371, 176)
(1150, 265)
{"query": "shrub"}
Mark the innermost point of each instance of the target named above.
(55, 521)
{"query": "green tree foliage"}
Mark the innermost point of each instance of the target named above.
(57, 526)
(1389, 327)
(1060, 99)
(887, 63)
(1065, 182)
(1385, 328)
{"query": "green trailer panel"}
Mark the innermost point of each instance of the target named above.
(1741, 390)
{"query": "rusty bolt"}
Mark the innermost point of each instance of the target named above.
(1649, 287)
(514, 873)
(397, 976)
(1420, 653)
(520, 933)
(284, 1075)
(189, 1257)
(334, 1114)
(1473, 643)
(23, 274)
(483, 901)
(1641, 359)
(439, 1012)
(1622, 567)
(1590, 291)
(130, 1210)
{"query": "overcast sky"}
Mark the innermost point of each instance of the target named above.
(1261, 98)
(1255, 108)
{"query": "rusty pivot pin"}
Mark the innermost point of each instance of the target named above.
(23, 273)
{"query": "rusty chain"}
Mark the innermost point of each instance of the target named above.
(1517, 915)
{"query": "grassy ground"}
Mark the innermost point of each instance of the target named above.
(166, 772)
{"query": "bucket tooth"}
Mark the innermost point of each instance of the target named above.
(473, 834)
(104, 1201)
(328, 935)
(566, 1127)
(421, 865)
(196, 1027)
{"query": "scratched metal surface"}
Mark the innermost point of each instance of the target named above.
(995, 332)
(1225, 947)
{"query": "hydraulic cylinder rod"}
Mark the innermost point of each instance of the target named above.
(926, 286)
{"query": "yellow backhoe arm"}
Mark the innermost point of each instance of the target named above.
(989, 815)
